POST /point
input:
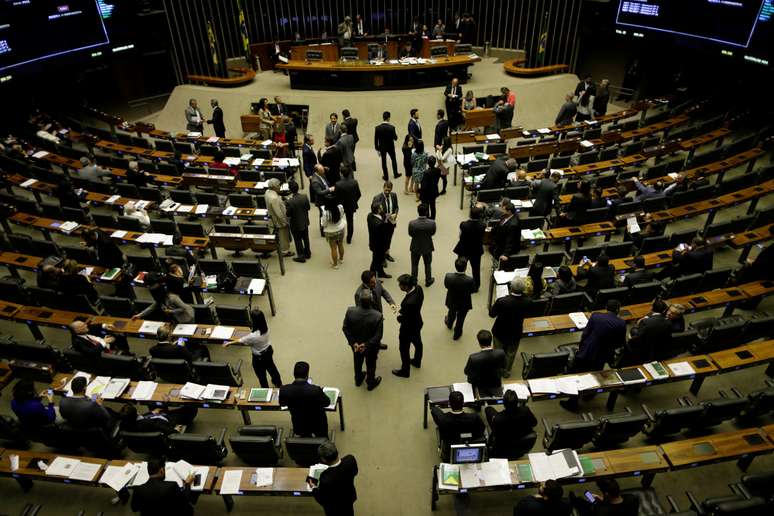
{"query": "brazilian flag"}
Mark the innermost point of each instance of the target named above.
(213, 48)
(243, 32)
(541, 53)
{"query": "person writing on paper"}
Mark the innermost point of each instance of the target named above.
(335, 490)
(193, 118)
(610, 503)
(509, 426)
(485, 368)
(306, 402)
(452, 424)
(547, 502)
(171, 305)
(509, 314)
(167, 349)
(83, 412)
(85, 342)
(260, 347)
(29, 408)
(158, 496)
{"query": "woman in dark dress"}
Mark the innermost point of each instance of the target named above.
(408, 145)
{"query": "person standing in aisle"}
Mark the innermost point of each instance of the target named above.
(260, 347)
(410, 319)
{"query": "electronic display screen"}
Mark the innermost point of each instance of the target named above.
(467, 454)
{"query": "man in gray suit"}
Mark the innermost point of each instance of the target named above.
(421, 231)
(363, 327)
(80, 411)
(193, 117)
(371, 284)
(333, 129)
(346, 146)
(545, 192)
(91, 171)
(298, 212)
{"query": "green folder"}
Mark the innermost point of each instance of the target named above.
(525, 473)
(332, 395)
(588, 465)
(259, 394)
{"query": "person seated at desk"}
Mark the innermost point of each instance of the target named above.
(67, 196)
(698, 257)
(548, 501)
(132, 211)
(85, 342)
(597, 198)
(647, 191)
(49, 273)
(456, 425)
(759, 268)
(598, 276)
(167, 349)
(639, 275)
(218, 166)
(91, 171)
(564, 284)
(580, 203)
(509, 425)
(469, 102)
(610, 503)
(650, 337)
(83, 412)
(135, 176)
(521, 179)
(29, 407)
(164, 420)
(171, 305)
(179, 251)
(73, 283)
(407, 51)
(676, 316)
(159, 496)
(485, 368)
(535, 285)
(108, 253)
(306, 402)
(335, 490)
(177, 283)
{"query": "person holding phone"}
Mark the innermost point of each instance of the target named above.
(33, 411)
(547, 502)
(610, 503)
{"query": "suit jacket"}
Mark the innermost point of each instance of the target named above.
(352, 128)
(604, 333)
(471, 242)
(653, 333)
(306, 403)
(508, 426)
(298, 211)
(410, 315)
(638, 276)
(190, 118)
(77, 285)
(455, 103)
(415, 129)
(81, 412)
(346, 146)
(441, 131)
(332, 132)
(544, 193)
(277, 210)
(377, 293)
(451, 425)
(507, 237)
(484, 369)
(108, 252)
(566, 114)
(581, 87)
(385, 137)
(382, 199)
(278, 109)
(509, 312)
(598, 278)
(428, 192)
(310, 159)
(459, 288)
(159, 497)
(217, 120)
(335, 491)
(171, 351)
(318, 186)
(421, 231)
(496, 176)
(182, 313)
(84, 346)
(377, 233)
(331, 159)
(348, 193)
(363, 326)
(698, 260)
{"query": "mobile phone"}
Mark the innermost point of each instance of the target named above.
(589, 497)
(197, 478)
(94, 397)
(50, 392)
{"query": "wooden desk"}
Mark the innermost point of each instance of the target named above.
(330, 52)
(286, 482)
(484, 117)
(746, 240)
(752, 354)
(243, 242)
(28, 470)
(743, 445)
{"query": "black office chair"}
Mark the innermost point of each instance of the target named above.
(247, 269)
(79, 362)
(213, 267)
(511, 449)
(241, 201)
(537, 165)
(13, 291)
(759, 403)
(653, 244)
(573, 434)
(616, 430)
(129, 224)
(560, 162)
(219, 373)
(258, 445)
(175, 370)
(12, 434)
(515, 261)
(150, 193)
(184, 148)
(682, 342)
(539, 365)
(667, 422)
(715, 279)
(606, 294)
(568, 303)
(516, 192)
(203, 314)
(550, 258)
(104, 221)
(103, 442)
(628, 207)
(153, 444)
(724, 333)
(124, 366)
(537, 308)
(167, 227)
(496, 148)
(191, 229)
(489, 196)
(758, 327)
(44, 248)
(210, 199)
(182, 196)
(233, 315)
(117, 306)
(303, 450)
(644, 292)
(143, 263)
(37, 351)
(591, 252)
(198, 449)
(127, 190)
(759, 484)
(684, 285)
(717, 411)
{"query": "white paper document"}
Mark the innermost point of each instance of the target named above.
(201, 209)
(85, 471)
(266, 143)
(115, 388)
(681, 369)
(560, 464)
(144, 391)
(504, 277)
(521, 390)
(543, 386)
(567, 385)
(632, 226)
(192, 391)
(256, 286)
(586, 382)
(184, 330)
(264, 477)
(494, 472)
(112, 199)
(142, 475)
(28, 183)
(466, 389)
(97, 385)
(544, 130)
(215, 392)
(118, 234)
(222, 332)
(40, 154)
(117, 477)
(151, 327)
(493, 136)
(62, 467)
(232, 478)
(586, 144)
(233, 162)
(579, 319)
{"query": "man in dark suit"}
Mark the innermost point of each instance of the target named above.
(308, 155)
(441, 128)
(348, 193)
(509, 425)
(421, 231)
(158, 496)
(567, 112)
(108, 253)
(453, 99)
(346, 147)
(377, 239)
(335, 490)
(497, 175)
(584, 85)
(384, 142)
(507, 233)
(217, 120)
(410, 319)
(306, 403)
(639, 275)
(298, 214)
(168, 349)
(509, 323)
(370, 283)
(455, 423)
(459, 287)
(351, 125)
(279, 108)
(698, 258)
(471, 242)
(649, 333)
(82, 412)
(414, 127)
(389, 202)
(330, 158)
(544, 193)
(598, 276)
(363, 327)
(319, 186)
(485, 368)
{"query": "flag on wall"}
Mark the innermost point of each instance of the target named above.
(541, 53)
(211, 38)
(243, 31)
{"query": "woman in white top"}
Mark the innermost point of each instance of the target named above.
(334, 226)
(260, 347)
(585, 106)
(132, 211)
(445, 156)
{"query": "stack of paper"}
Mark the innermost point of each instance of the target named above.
(184, 330)
(118, 234)
(192, 391)
(501, 291)
(586, 144)
(28, 183)
(333, 394)
(260, 395)
(69, 226)
(544, 130)
(40, 154)
(560, 464)
(586, 382)
(62, 467)
(212, 139)
(215, 392)
(543, 386)
(112, 199)
(466, 389)
(115, 388)
(97, 385)
(232, 478)
(142, 204)
(579, 319)
(494, 472)
(264, 477)
(201, 209)
(84, 471)
(118, 477)
(194, 134)
(504, 277)
(256, 286)
(232, 162)
(521, 390)
(257, 162)
(681, 369)
(464, 159)
(567, 385)
(222, 332)
(151, 327)
(632, 226)
(144, 391)
(493, 136)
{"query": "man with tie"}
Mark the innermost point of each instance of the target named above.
(384, 142)
(414, 128)
(306, 402)
(333, 129)
(193, 117)
(507, 233)
(319, 187)
(280, 109)
(308, 155)
(217, 120)
(459, 288)
(509, 323)
(330, 158)
(389, 202)
(453, 95)
(359, 26)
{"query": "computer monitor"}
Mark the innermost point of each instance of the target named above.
(468, 453)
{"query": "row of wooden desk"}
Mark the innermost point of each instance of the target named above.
(644, 461)
(748, 355)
